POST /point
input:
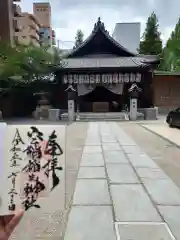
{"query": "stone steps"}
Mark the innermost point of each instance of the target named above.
(120, 116)
(111, 116)
(103, 116)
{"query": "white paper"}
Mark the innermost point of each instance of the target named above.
(3, 199)
(27, 183)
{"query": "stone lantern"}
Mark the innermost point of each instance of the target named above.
(134, 94)
(43, 105)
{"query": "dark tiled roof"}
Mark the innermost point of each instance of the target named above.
(110, 62)
(99, 26)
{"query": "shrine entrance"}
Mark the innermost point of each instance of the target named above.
(102, 71)
(100, 99)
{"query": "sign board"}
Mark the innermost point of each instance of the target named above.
(112, 78)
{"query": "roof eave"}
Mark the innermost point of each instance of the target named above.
(104, 69)
(151, 62)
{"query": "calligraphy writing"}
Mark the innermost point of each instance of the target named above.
(33, 186)
(54, 150)
(16, 149)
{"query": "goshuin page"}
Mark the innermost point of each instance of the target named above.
(32, 166)
(3, 171)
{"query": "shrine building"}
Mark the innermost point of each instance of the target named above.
(102, 71)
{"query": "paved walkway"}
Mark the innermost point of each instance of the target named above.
(120, 192)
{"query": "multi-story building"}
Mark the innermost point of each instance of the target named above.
(43, 12)
(9, 12)
(17, 26)
(29, 30)
(128, 35)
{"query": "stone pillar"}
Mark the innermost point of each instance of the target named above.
(133, 109)
(71, 110)
(71, 103)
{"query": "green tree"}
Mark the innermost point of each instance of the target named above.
(151, 42)
(171, 53)
(39, 62)
(28, 63)
(79, 38)
(10, 61)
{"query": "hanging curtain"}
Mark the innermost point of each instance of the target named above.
(84, 89)
(115, 88)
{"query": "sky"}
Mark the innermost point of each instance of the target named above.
(70, 15)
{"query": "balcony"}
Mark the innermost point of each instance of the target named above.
(17, 10)
(34, 20)
(34, 27)
(34, 35)
(16, 26)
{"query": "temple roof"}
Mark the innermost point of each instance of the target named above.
(100, 50)
(108, 62)
(99, 28)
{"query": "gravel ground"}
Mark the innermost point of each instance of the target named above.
(164, 153)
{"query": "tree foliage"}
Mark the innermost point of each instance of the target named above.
(79, 38)
(30, 62)
(10, 61)
(171, 53)
(151, 42)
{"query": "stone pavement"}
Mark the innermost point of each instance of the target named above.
(121, 193)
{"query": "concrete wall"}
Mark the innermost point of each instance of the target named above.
(128, 35)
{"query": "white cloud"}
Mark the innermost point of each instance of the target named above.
(70, 15)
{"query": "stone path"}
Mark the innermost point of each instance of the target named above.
(120, 191)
